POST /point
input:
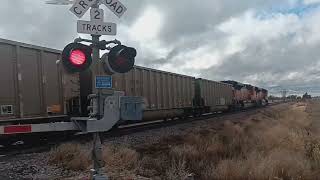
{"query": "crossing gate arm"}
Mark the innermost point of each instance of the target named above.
(130, 108)
(38, 128)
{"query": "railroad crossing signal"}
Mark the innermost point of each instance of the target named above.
(76, 57)
(120, 59)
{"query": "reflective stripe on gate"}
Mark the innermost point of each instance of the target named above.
(38, 128)
(16, 129)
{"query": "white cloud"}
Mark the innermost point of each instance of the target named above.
(147, 27)
(311, 1)
(248, 27)
(145, 32)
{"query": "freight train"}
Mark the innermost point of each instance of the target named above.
(34, 86)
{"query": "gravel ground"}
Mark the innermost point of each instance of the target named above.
(35, 166)
(30, 166)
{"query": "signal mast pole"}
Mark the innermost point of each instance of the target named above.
(98, 162)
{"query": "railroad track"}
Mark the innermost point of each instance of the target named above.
(44, 144)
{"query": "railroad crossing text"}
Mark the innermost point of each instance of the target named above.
(115, 6)
(80, 7)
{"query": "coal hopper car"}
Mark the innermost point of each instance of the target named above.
(212, 96)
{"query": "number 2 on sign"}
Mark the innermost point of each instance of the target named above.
(96, 14)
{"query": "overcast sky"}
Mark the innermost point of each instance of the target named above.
(269, 43)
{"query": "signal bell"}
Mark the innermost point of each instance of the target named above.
(120, 59)
(76, 57)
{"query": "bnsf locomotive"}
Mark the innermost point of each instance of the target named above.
(35, 87)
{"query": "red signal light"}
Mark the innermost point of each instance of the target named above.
(77, 57)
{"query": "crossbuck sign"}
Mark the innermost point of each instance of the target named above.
(96, 26)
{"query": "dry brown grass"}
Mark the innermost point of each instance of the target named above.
(281, 142)
(71, 156)
(274, 144)
(122, 158)
(121, 162)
